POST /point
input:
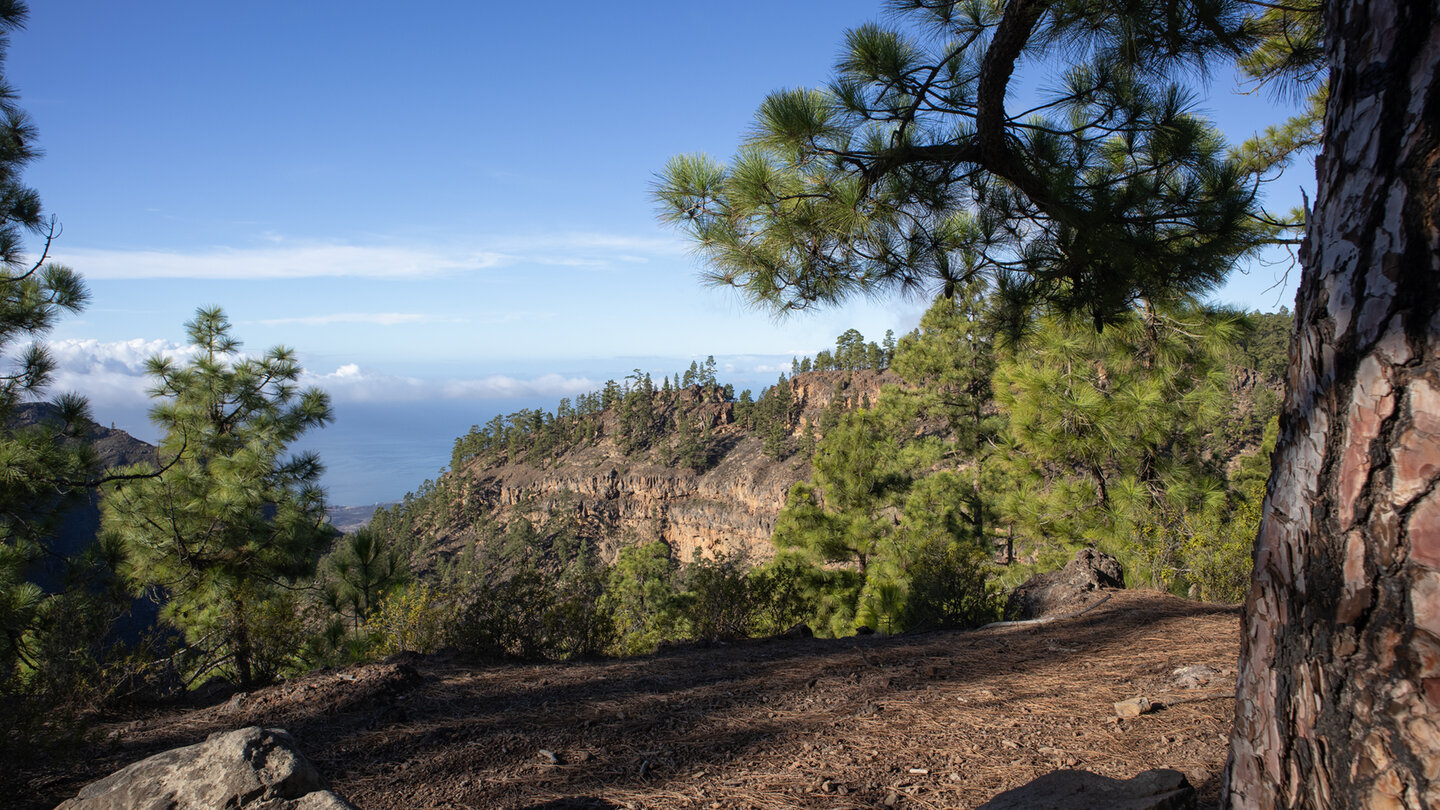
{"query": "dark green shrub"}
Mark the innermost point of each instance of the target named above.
(949, 587)
(717, 601)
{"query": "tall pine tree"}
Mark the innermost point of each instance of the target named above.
(39, 461)
(911, 171)
(231, 522)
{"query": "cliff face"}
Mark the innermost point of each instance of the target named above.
(730, 508)
(618, 498)
(814, 391)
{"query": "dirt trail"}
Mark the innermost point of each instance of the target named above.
(937, 720)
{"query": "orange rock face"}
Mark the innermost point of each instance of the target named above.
(618, 499)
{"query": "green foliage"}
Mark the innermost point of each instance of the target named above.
(1263, 345)
(880, 495)
(642, 417)
(41, 464)
(773, 417)
(852, 353)
(1217, 554)
(949, 585)
(415, 618)
(908, 172)
(694, 442)
(781, 593)
(358, 572)
(716, 598)
(641, 599)
(229, 522)
(1110, 435)
(1288, 55)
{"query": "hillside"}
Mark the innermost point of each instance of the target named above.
(80, 522)
(944, 719)
(616, 495)
(114, 447)
(595, 487)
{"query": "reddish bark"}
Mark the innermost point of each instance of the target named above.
(1338, 703)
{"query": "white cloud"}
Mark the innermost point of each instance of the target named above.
(279, 257)
(276, 262)
(113, 375)
(376, 318)
(499, 386)
(109, 373)
(350, 383)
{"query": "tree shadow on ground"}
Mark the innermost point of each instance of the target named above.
(681, 726)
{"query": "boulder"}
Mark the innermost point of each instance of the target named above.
(1194, 676)
(1160, 789)
(1069, 589)
(250, 769)
(1134, 707)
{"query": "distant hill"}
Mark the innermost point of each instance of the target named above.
(114, 447)
(350, 518)
(596, 481)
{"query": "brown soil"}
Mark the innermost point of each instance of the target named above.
(936, 720)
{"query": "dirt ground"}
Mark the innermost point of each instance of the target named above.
(935, 720)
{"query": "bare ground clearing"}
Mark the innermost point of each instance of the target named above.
(935, 720)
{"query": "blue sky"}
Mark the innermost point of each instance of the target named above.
(431, 201)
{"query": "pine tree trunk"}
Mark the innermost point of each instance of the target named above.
(1338, 703)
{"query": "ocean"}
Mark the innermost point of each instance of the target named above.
(376, 452)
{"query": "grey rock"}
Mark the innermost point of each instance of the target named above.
(250, 769)
(1134, 707)
(1160, 789)
(1065, 590)
(1194, 677)
(801, 630)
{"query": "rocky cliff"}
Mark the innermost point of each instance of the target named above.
(617, 497)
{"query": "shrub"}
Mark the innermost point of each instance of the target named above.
(717, 603)
(641, 599)
(780, 593)
(415, 618)
(949, 587)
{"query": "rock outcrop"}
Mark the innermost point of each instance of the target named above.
(1069, 589)
(617, 498)
(1160, 789)
(250, 769)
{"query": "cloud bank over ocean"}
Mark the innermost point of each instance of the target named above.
(114, 373)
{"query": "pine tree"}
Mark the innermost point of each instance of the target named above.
(40, 463)
(230, 520)
(773, 418)
(1114, 425)
(745, 410)
(1349, 504)
(850, 350)
(692, 441)
(949, 360)
(910, 172)
(363, 567)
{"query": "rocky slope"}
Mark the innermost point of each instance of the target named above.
(617, 497)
